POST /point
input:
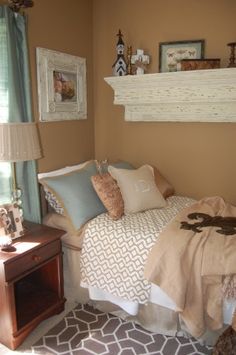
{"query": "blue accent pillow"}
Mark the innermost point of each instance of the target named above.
(76, 194)
(118, 165)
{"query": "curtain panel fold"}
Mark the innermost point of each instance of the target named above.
(19, 103)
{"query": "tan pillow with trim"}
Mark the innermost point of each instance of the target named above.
(109, 193)
(138, 188)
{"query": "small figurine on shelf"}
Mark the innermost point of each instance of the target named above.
(120, 66)
(140, 60)
(232, 63)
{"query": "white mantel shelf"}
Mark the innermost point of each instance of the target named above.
(186, 96)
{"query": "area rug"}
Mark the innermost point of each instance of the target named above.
(86, 331)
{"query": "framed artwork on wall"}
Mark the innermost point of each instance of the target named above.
(171, 53)
(62, 89)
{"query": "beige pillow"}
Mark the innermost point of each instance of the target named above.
(109, 193)
(56, 220)
(138, 188)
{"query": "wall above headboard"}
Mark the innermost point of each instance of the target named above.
(186, 96)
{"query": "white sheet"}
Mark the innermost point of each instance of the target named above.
(157, 296)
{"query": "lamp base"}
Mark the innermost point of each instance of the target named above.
(5, 242)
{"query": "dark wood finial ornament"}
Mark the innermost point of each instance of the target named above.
(18, 5)
(232, 58)
(129, 65)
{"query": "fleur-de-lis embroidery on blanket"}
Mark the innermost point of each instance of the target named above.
(227, 224)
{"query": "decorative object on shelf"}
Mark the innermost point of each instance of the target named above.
(19, 142)
(171, 53)
(197, 64)
(140, 60)
(61, 86)
(18, 5)
(129, 64)
(232, 57)
(120, 66)
(10, 224)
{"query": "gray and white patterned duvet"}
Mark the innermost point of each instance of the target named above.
(114, 252)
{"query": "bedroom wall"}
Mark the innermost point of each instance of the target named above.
(197, 158)
(64, 26)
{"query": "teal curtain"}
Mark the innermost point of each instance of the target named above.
(5, 168)
(19, 103)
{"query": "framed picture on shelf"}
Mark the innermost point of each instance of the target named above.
(10, 221)
(171, 53)
(62, 89)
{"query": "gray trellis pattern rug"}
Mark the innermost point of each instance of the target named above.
(86, 331)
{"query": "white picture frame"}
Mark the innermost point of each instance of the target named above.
(62, 89)
(10, 221)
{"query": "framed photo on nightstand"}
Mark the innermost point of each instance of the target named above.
(10, 221)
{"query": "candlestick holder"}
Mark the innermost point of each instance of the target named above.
(232, 63)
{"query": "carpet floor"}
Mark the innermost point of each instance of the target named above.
(86, 331)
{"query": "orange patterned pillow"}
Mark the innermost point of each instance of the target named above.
(109, 193)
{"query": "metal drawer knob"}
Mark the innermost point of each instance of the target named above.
(36, 258)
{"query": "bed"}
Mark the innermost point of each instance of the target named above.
(106, 252)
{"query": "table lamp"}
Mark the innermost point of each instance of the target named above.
(18, 142)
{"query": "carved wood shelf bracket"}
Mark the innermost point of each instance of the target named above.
(187, 96)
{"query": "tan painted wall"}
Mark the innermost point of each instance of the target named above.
(64, 26)
(198, 158)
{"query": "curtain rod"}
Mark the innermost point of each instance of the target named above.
(17, 5)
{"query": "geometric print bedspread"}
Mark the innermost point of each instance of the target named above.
(114, 253)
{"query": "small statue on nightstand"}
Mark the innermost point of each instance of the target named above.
(120, 66)
(140, 60)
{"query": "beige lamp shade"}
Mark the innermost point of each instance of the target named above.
(19, 142)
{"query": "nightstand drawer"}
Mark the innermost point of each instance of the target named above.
(28, 261)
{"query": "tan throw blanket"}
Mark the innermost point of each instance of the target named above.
(189, 266)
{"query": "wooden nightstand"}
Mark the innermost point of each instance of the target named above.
(31, 283)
